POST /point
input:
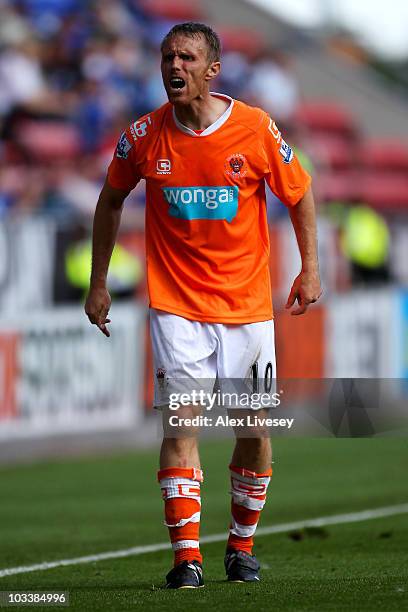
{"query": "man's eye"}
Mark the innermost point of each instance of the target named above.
(186, 57)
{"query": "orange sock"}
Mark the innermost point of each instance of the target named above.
(182, 506)
(248, 490)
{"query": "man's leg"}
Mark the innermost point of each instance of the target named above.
(183, 354)
(251, 472)
(180, 476)
(244, 351)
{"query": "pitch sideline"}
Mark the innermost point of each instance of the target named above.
(336, 519)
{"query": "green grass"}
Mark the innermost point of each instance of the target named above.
(78, 507)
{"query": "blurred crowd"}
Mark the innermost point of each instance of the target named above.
(72, 76)
(74, 73)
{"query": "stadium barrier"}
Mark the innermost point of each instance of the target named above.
(60, 375)
(27, 260)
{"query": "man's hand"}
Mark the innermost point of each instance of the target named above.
(306, 290)
(97, 307)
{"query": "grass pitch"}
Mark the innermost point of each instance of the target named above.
(67, 509)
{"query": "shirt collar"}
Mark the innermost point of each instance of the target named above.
(214, 126)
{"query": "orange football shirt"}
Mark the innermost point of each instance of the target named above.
(207, 240)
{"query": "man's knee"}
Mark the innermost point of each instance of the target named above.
(181, 423)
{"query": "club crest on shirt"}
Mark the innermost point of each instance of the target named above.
(236, 165)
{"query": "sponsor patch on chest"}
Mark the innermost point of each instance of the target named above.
(213, 203)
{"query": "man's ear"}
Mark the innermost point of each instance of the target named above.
(213, 70)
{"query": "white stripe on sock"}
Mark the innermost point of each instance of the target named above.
(243, 531)
(185, 544)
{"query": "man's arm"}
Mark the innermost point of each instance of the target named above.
(105, 228)
(306, 287)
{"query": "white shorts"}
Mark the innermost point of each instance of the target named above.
(184, 349)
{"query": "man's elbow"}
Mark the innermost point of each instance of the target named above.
(306, 200)
(111, 197)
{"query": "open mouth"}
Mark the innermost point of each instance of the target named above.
(177, 83)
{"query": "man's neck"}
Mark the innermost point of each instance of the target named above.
(202, 112)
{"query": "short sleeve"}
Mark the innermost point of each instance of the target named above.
(283, 171)
(123, 172)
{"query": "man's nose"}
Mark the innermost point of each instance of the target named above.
(176, 63)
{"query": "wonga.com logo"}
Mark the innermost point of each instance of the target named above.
(202, 202)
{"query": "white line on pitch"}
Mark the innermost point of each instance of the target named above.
(336, 519)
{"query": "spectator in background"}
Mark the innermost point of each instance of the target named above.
(22, 82)
(365, 243)
(235, 75)
(273, 86)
